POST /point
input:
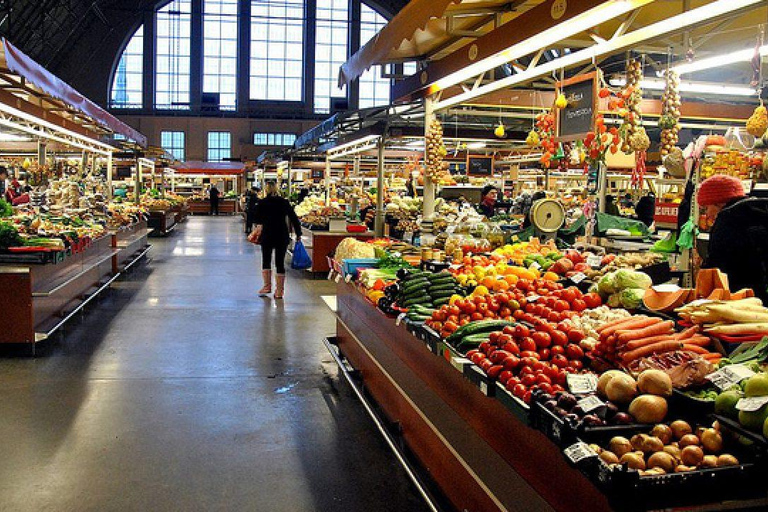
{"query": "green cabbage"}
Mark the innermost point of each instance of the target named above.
(614, 301)
(625, 279)
(606, 284)
(631, 298)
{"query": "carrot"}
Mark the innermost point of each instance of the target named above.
(633, 323)
(650, 330)
(689, 332)
(695, 348)
(632, 345)
(700, 341)
(655, 348)
(712, 357)
(617, 322)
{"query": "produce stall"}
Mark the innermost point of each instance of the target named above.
(321, 244)
(192, 180)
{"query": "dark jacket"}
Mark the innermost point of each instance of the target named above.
(738, 245)
(487, 210)
(612, 209)
(275, 214)
(214, 195)
(251, 203)
(646, 209)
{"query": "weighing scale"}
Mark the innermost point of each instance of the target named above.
(547, 217)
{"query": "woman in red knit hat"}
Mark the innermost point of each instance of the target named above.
(738, 242)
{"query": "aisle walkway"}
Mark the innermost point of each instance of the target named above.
(183, 391)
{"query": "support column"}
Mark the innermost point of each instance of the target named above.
(327, 181)
(602, 181)
(429, 187)
(42, 153)
(110, 192)
(379, 221)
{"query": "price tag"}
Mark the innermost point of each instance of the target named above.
(729, 375)
(581, 384)
(533, 298)
(348, 278)
(594, 261)
(751, 404)
(577, 277)
(578, 452)
(400, 318)
(338, 278)
(450, 230)
(590, 403)
(535, 265)
(408, 235)
(484, 388)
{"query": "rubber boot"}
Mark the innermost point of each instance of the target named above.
(280, 288)
(266, 275)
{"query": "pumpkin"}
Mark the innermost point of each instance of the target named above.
(710, 279)
(665, 301)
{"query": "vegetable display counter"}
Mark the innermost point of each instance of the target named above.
(480, 454)
(161, 222)
(203, 207)
(37, 298)
(322, 244)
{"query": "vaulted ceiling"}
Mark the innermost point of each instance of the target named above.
(78, 40)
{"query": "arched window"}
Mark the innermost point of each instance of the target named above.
(127, 81)
(273, 54)
(374, 89)
(277, 50)
(173, 55)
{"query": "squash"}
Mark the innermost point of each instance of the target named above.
(744, 293)
(720, 294)
(708, 280)
(665, 301)
(715, 140)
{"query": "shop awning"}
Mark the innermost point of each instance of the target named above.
(424, 26)
(19, 63)
(213, 168)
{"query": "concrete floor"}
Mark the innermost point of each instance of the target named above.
(182, 390)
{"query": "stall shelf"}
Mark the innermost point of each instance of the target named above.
(162, 222)
(203, 206)
(321, 244)
(476, 450)
(131, 243)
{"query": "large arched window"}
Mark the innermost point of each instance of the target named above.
(199, 58)
(127, 81)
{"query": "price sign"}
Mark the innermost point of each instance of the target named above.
(590, 403)
(751, 404)
(594, 261)
(578, 277)
(533, 298)
(581, 384)
(578, 452)
(348, 278)
(729, 375)
(484, 388)
(400, 318)
(536, 265)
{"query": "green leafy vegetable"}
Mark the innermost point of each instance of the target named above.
(6, 210)
(9, 236)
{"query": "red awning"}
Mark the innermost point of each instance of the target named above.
(216, 168)
(50, 84)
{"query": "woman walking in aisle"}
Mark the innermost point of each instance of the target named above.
(275, 219)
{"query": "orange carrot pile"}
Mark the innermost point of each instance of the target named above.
(623, 341)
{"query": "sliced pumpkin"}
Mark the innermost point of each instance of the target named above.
(744, 293)
(708, 280)
(665, 300)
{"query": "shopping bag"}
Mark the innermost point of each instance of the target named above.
(301, 259)
(255, 236)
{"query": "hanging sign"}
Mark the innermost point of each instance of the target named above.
(318, 174)
(480, 165)
(578, 118)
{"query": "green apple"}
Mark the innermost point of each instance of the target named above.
(754, 420)
(757, 385)
(725, 403)
(765, 428)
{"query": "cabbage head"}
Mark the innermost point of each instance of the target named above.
(631, 298)
(625, 279)
(606, 284)
(614, 301)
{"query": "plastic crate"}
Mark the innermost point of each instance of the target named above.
(352, 266)
(478, 377)
(517, 407)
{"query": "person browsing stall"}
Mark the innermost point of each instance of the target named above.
(738, 241)
(488, 197)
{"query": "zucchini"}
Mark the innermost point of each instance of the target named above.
(441, 301)
(411, 285)
(472, 341)
(481, 326)
(443, 288)
(439, 294)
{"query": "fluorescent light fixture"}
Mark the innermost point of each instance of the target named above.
(546, 39)
(347, 145)
(717, 61)
(10, 137)
(693, 87)
(476, 145)
(669, 25)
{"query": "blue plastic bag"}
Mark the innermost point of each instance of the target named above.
(301, 259)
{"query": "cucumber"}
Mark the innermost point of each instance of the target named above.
(424, 310)
(415, 292)
(440, 294)
(441, 301)
(418, 318)
(481, 326)
(415, 275)
(412, 285)
(472, 341)
(446, 288)
(440, 277)
(417, 300)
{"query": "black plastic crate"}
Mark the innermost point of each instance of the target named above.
(517, 407)
(690, 406)
(478, 377)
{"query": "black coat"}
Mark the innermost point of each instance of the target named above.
(738, 245)
(276, 214)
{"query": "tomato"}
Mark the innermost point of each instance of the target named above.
(451, 325)
(463, 321)
(578, 305)
(593, 300)
(538, 367)
(485, 347)
(527, 397)
(564, 326)
(528, 380)
(494, 371)
(560, 361)
(523, 284)
(494, 337)
(542, 339)
(519, 390)
(576, 292)
(546, 388)
(521, 331)
(437, 326)
(499, 355)
(568, 295)
(482, 308)
(439, 316)
(530, 354)
(551, 371)
(573, 351)
(504, 376)
(489, 314)
(527, 344)
(528, 362)
(554, 317)
(577, 365)
(514, 304)
(562, 305)
(485, 365)
(543, 379)
(511, 363)
(477, 357)
(559, 337)
(470, 353)
(557, 350)
(493, 305)
(454, 310)
(476, 316)
(518, 314)
(544, 353)
(511, 347)
(530, 308)
(505, 313)
(575, 335)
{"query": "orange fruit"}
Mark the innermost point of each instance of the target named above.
(511, 279)
(488, 282)
(551, 276)
(501, 285)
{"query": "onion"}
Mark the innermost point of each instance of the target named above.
(633, 460)
(692, 455)
(689, 440)
(711, 440)
(648, 409)
(663, 432)
(621, 389)
(605, 378)
(680, 428)
(727, 460)
(662, 460)
(609, 457)
(655, 382)
(620, 445)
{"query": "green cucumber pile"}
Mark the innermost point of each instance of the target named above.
(471, 335)
(422, 292)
